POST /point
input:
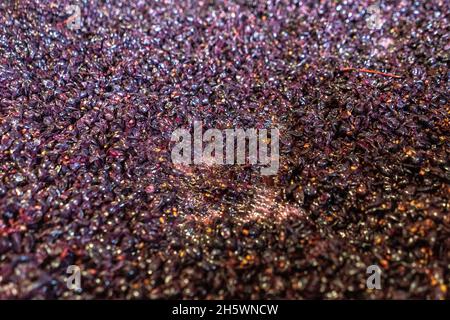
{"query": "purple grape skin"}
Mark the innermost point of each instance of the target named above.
(85, 171)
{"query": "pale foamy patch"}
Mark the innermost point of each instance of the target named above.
(267, 204)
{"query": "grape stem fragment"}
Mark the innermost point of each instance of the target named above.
(348, 69)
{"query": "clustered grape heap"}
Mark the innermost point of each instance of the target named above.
(86, 177)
